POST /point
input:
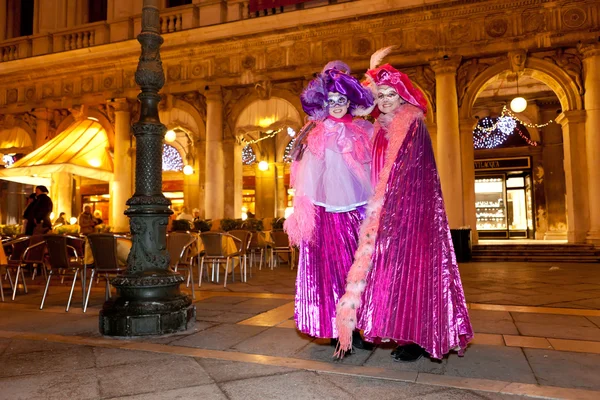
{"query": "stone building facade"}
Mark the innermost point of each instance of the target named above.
(221, 60)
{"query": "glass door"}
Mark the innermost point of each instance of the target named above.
(490, 206)
(518, 209)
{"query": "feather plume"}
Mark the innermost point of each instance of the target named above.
(379, 55)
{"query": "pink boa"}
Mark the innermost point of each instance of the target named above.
(356, 281)
(301, 224)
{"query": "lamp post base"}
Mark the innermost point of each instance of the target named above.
(147, 305)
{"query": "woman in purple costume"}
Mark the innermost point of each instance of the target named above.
(404, 281)
(331, 177)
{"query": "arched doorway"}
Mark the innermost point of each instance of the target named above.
(520, 186)
(265, 128)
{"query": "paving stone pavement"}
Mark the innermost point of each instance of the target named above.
(229, 355)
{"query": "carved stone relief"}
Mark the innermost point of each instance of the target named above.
(174, 72)
(29, 93)
(424, 77)
(197, 70)
(300, 54)
(248, 62)
(426, 38)
(570, 62)
(362, 47)
(263, 89)
(67, 88)
(534, 21)
(459, 32)
(196, 100)
(394, 38)
(466, 73)
(496, 26)
(107, 111)
(129, 79)
(108, 82)
(12, 96)
(574, 18)
(231, 96)
(294, 87)
(87, 84)
(221, 66)
(275, 57)
(517, 60)
(332, 50)
(47, 91)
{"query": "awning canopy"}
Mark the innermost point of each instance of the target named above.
(81, 149)
(14, 140)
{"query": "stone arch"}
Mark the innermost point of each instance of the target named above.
(195, 114)
(544, 71)
(93, 113)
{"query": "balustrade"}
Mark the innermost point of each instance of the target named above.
(9, 53)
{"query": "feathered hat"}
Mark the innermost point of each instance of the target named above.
(386, 75)
(335, 77)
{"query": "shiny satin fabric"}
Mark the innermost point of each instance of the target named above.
(414, 292)
(322, 268)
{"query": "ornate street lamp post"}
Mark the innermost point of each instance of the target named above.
(149, 301)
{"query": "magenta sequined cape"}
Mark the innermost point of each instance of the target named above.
(413, 291)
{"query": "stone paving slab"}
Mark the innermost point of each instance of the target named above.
(381, 357)
(147, 377)
(220, 337)
(559, 331)
(75, 358)
(224, 371)
(491, 362)
(570, 370)
(274, 342)
(76, 385)
(106, 357)
(300, 385)
(552, 319)
(322, 350)
(211, 392)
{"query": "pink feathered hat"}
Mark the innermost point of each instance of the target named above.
(389, 76)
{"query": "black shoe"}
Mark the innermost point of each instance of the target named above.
(359, 343)
(408, 353)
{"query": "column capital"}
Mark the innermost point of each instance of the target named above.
(446, 65)
(213, 93)
(589, 49)
(43, 113)
(467, 124)
(120, 105)
(571, 117)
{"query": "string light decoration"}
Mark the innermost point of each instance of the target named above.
(268, 135)
(286, 152)
(492, 132)
(171, 159)
(248, 156)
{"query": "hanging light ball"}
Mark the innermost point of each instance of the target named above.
(188, 170)
(506, 124)
(518, 104)
(263, 166)
(170, 136)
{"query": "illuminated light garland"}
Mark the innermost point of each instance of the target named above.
(507, 113)
(171, 159)
(269, 135)
(490, 134)
(286, 152)
(248, 156)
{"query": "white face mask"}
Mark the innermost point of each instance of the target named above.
(338, 104)
(388, 99)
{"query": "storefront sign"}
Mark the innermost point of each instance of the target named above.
(500, 164)
(259, 5)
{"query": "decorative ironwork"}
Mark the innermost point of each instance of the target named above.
(149, 301)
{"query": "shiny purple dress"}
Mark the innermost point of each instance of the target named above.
(333, 180)
(413, 291)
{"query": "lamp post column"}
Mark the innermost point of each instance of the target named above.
(149, 301)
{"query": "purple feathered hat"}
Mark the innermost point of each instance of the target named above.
(336, 78)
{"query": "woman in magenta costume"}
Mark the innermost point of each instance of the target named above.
(331, 177)
(405, 267)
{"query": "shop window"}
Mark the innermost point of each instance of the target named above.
(97, 10)
(177, 3)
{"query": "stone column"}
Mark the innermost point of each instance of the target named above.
(265, 192)
(121, 185)
(42, 116)
(576, 174)
(591, 71)
(191, 184)
(3, 25)
(448, 138)
(232, 156)
(467, 152)
(14, 198)
(61, 194)
(214, 187)
(281, 190)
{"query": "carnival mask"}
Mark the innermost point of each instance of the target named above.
(338, 104)
(388, 99)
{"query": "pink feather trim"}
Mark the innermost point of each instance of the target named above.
(346, 318)
(301, 224)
